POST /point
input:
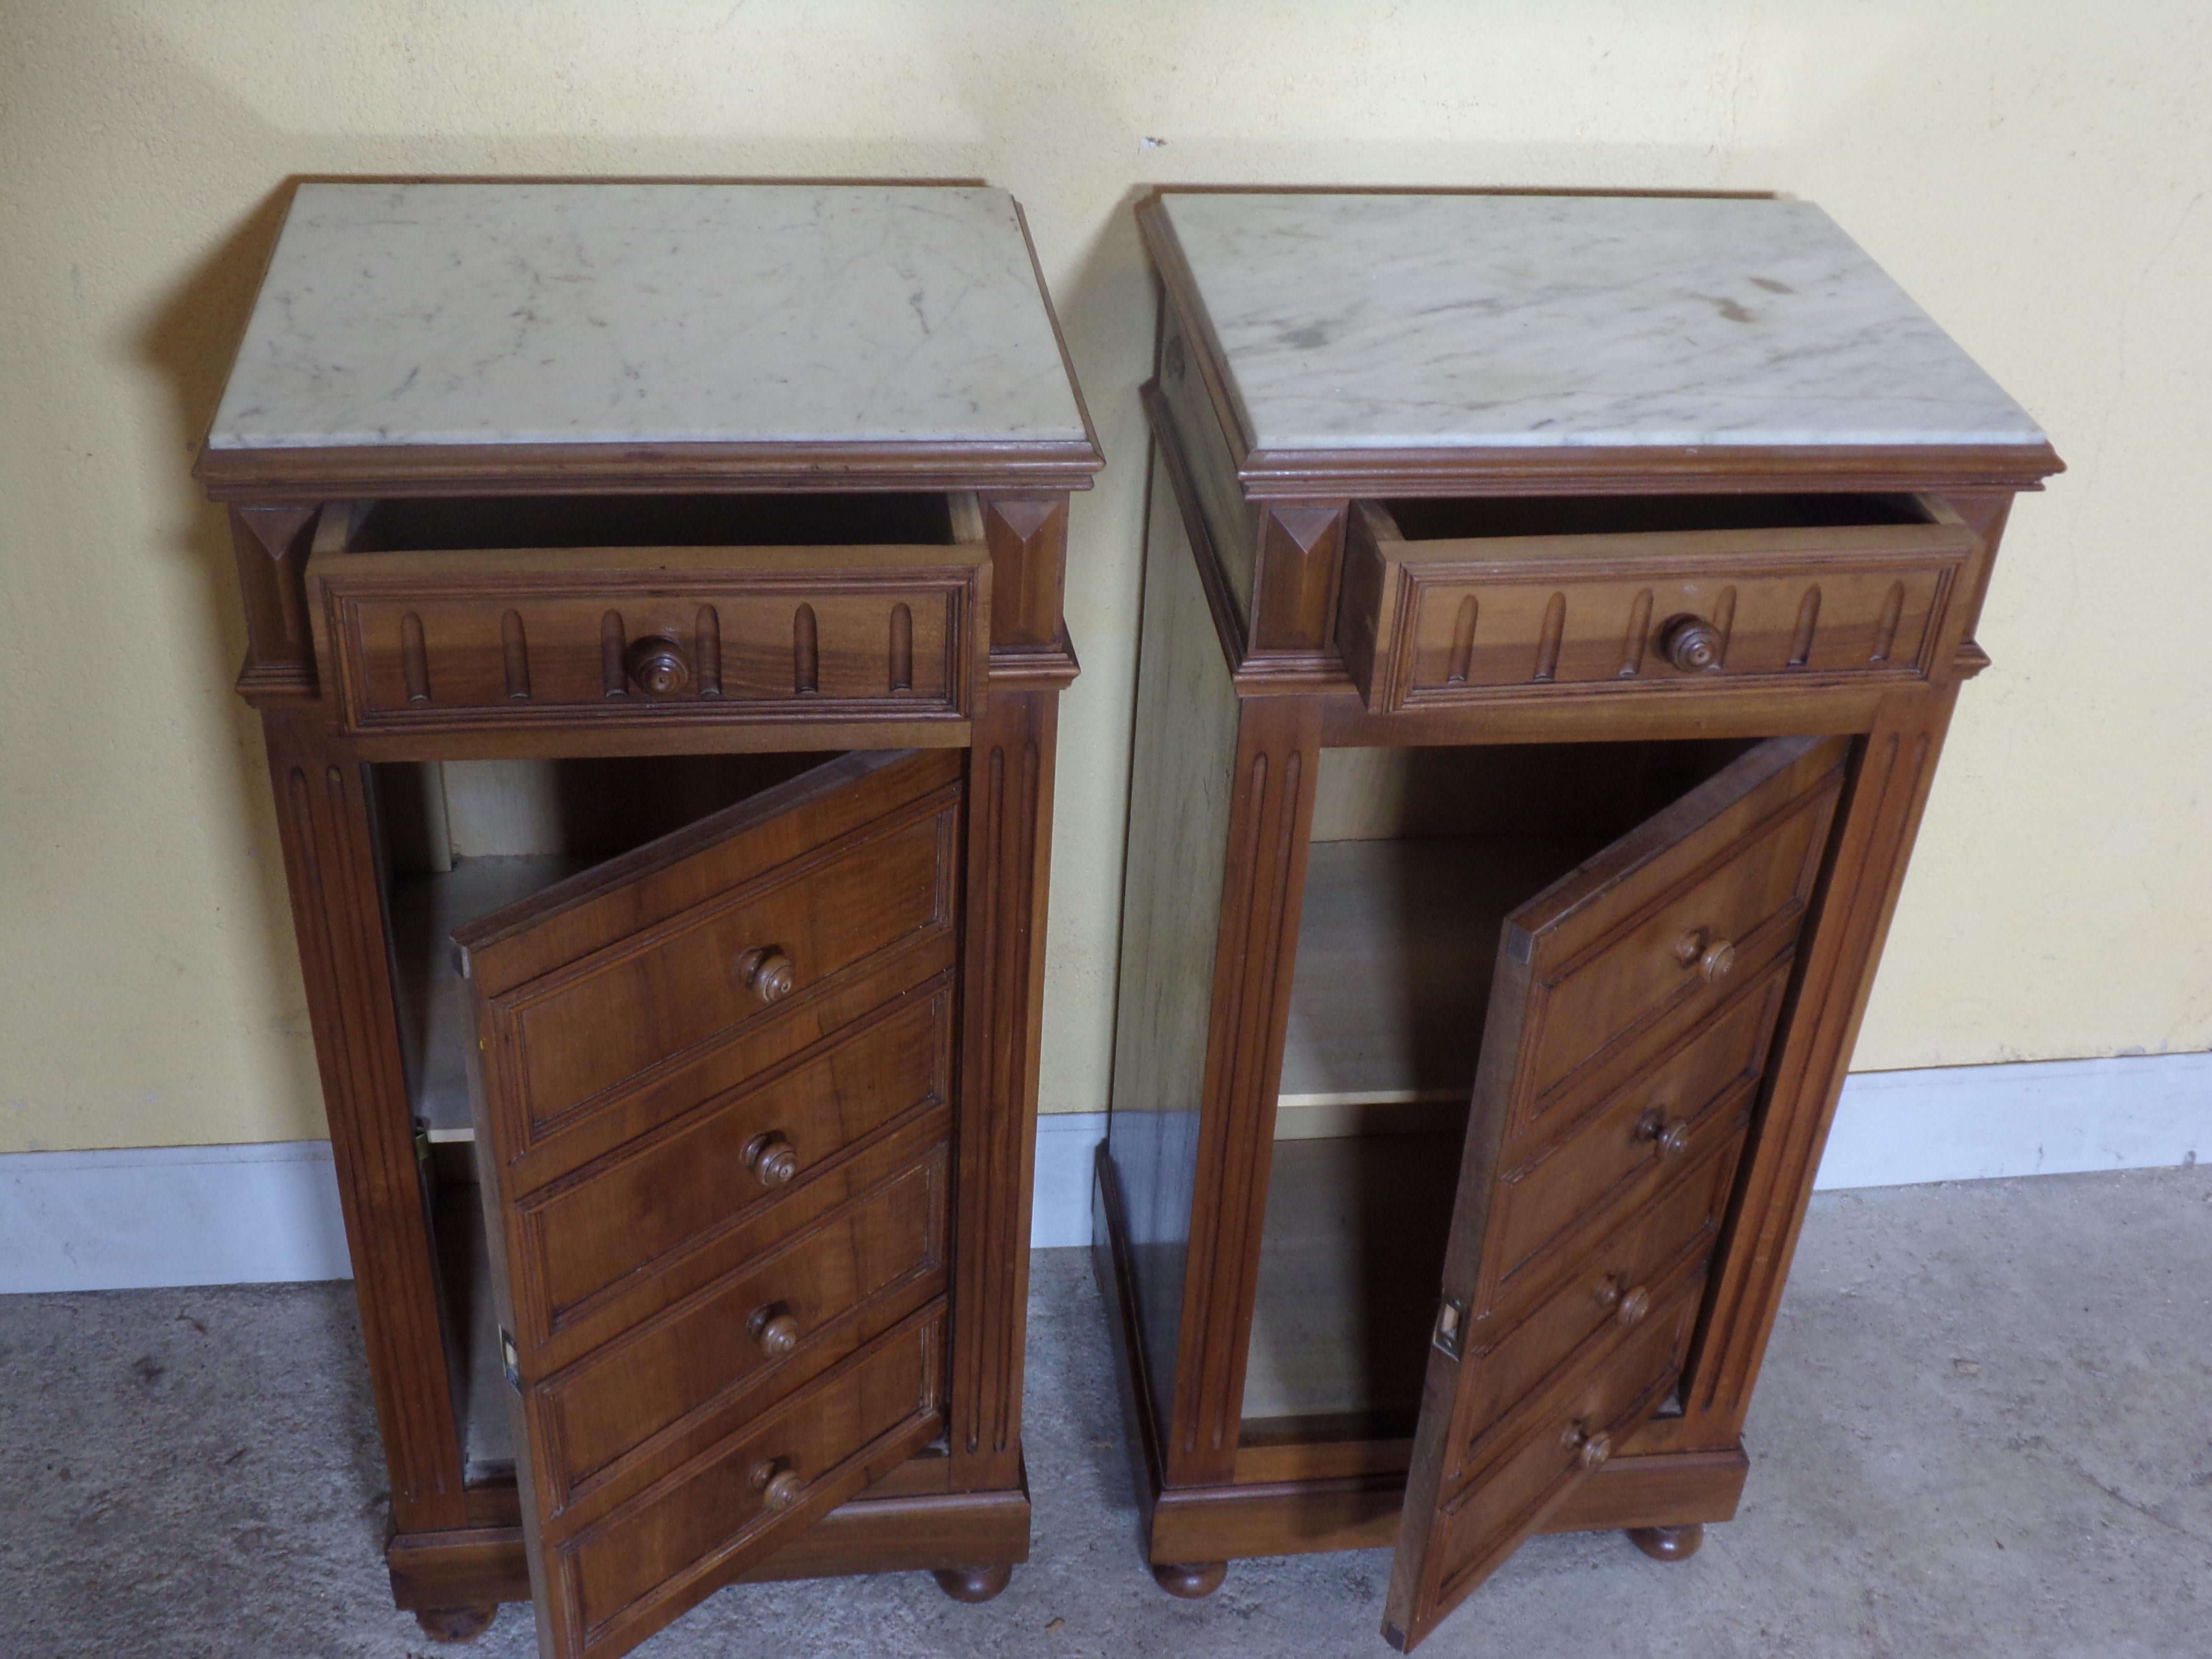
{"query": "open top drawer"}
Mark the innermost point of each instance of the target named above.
(446, 615)
(1457, 601)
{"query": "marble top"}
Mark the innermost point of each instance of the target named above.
(537, 313)
(1466, 321)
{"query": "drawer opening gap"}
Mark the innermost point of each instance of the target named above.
(443, 524)
(1421, 520)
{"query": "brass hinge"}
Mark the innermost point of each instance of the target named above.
(1451, 1325)
(510, 1360)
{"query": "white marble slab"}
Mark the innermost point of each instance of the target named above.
(1385, 321)
(451, 313)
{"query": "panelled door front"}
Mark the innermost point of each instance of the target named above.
(713, 1092)
(1630, 1016)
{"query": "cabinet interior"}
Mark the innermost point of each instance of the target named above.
(1417, 857)
(445, 523)
(1472, 517)
(458, 840)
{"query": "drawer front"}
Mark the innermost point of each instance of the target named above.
(1537, 1456)
(759, 1332)
(1660, 1122)
(1622, 1279)
(758, 952)
(455, 640)
(623, 1218)
(1433, 623)
(736, 1502)
(1680, 955)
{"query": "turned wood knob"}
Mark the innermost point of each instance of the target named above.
(774, 1329)
(768, 973)
(778, 1484)
(656, 666)
(1670, 1138)
(1712, 957)
(772, 1157)
(1628, 1306)
(1591, 1450)
(1692, 644)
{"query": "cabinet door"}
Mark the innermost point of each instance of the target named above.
(1629, 1020)
(712, 1084)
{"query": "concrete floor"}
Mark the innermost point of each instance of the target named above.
(1986, 1428)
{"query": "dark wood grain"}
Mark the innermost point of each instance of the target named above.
(1007, 872)
(1455, 620)
(1270, 793)
(324, 810)
(517, 637)
(590, 609)
(1588, 976)
(660, 1461)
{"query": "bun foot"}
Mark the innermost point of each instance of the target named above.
(1668, 1543)
(973, 1584)
(456, 1624)
(1189, 1579)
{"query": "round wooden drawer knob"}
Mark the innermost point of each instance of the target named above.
(1692, 644)
(772, 1157)
(775, 1329)
(656, 666)
(1591, 1450)
(768, 973)
(1712, 957)
(1669, 1137)
(1633, 1306)
(778, 1484)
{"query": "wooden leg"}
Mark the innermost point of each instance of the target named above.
(1668, 1543)
(1190, 1580)
(456, 1624)
(973, 1584)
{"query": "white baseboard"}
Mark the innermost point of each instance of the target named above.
(227, 1215)
(2036, 1117)
(170, 1215)
(1066, 1152)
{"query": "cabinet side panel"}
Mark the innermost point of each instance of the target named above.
(1232, 523)
(1184, 751)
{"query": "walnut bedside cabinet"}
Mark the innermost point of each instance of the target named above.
(654, 596)
(1553, 608)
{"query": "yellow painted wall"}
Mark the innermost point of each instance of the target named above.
(2034, 170)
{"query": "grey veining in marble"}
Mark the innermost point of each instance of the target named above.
(483, 313)
(1452, 321)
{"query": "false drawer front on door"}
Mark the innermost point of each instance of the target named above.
(610, 1583)
(1458, 601)
(1503, 1484)
(716, 1181)
(1617, 1282)
(443, 639)
(828, 1284)
(1676, 1107)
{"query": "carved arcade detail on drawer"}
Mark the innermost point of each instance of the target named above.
(440, 641)
(1431, 622)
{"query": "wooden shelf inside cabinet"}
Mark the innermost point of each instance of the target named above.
(639, 703)
(1541, 684)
